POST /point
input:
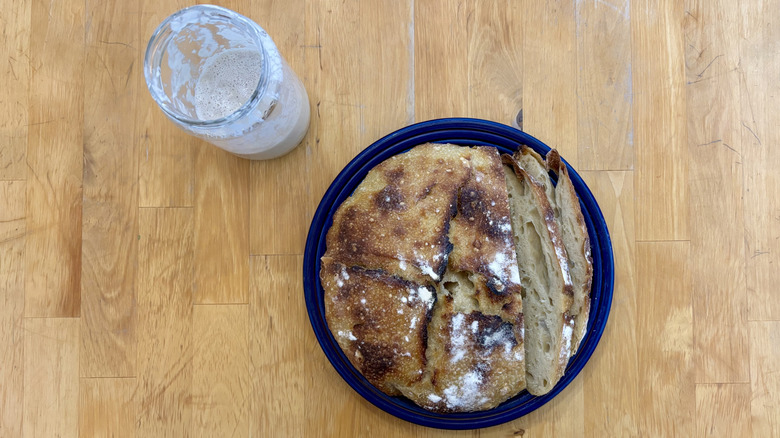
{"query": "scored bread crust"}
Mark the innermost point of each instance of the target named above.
(481, 236)
(545, 274)
(398, 218)
(477, 345)
(380, 321)
(434, 218)
(568, 214)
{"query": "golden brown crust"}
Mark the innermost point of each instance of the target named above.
(477, 360)
(435, 212)
(481, 234)
(380, 322)
(398, 218)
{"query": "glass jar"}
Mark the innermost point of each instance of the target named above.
(219, 77)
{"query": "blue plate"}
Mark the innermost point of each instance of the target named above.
(460, 131)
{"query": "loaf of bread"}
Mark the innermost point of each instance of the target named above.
(446, 278)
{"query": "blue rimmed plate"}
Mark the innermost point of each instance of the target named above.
(466, 132)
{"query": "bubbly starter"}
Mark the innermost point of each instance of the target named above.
(227, 82)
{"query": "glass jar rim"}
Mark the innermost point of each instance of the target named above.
(166, 31)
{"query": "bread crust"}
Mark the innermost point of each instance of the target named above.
(431, 294)
(380, 321)
(433, 219)
(398, 218)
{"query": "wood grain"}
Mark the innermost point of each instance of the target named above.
(660, 140)
(221, 226)
(279, 209)
(715, 192)
(495, 60)
(107, 407)
(765, 366)
(567, 411)
(549, 64)
(165, 153)
(165, 169)
(278, 379)
(110, 193)
(335, 88)
(54, 160)
(539, 423)
(12, 231)
(604, 85)
(665, 315)
(51, 378)
(220, 371)
(284, 182)
(725, 410)
(387, 100)
(440, 59)
(759, 119)
(165, 344)
(15, 76)
(611, 376)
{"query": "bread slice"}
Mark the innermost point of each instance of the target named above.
(547, 298)
(568, 215)
(577, 243)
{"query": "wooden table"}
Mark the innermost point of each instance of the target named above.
(150, 284)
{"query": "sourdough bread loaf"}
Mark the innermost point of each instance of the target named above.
(427, 275)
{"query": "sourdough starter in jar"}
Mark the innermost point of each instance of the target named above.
(219, 76)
